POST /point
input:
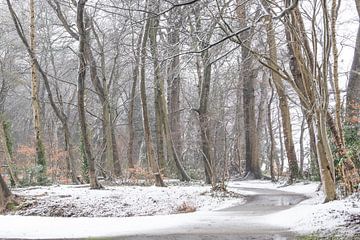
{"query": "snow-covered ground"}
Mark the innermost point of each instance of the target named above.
(307, 217)
(121, 201)
(341, 217)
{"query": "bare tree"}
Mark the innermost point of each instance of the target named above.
(148, 139)
(58, 110)
(283, 102)
(82, 26)
(39, 141)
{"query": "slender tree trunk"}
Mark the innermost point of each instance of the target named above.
(307, 81)
(70, 159)
(163, 128)
(147, 132)
(301, 143)
(283, 103)
(335, 54)
(39, 142)
(281, 143)
(314, 164)
(204, 118)
(135, 76)
(239, 145)
(271, 133)
(174, 78)
(94, 184)
(115, 152)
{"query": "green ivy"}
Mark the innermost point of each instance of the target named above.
(41, 164)
(8, 137)
(352, 140)
(84, 163)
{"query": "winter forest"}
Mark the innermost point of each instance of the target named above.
(111, 94)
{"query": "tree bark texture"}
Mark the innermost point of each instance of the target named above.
(94, 184)
(35, 102)
(163, 128)
(174, 78)
(147, 131)
(5, 194)
(135, 76)
(252, 164)
(353, 88)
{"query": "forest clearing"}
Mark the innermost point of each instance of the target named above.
(180, 119)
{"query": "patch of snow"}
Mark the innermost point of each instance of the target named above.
(34, 227)
(314, 216)
(307, 217)
(119, 201)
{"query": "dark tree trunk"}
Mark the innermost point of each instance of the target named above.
(5, 194)
(252, 163)
(353, 88)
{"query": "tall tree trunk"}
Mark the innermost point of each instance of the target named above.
(307, 80)
(271, 133)
(204, 69)
(353, 88)
(147, 132)
(283, 103)
(39, 142)
(158, 91)
(162, 120)
(204, 118)
(252, 164)
(135, 76)
(174, 78)
(94, 184)
(239, 145)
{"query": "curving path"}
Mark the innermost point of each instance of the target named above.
(238, 222)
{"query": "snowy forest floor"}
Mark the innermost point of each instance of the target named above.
(249, 206)
(122, 201)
